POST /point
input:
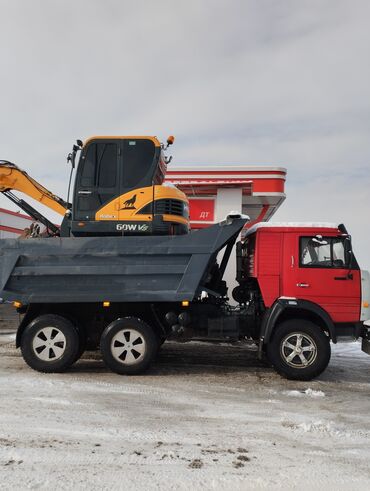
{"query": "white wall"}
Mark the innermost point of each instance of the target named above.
(15, 221)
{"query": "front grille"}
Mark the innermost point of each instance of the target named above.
(167, 207)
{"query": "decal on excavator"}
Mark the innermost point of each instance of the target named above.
(129, 204)
(132, 227)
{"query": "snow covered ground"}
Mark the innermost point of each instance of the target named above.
(204, 417)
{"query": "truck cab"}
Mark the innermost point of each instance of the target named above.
(307, 269)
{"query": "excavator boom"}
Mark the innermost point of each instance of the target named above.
(14, 178)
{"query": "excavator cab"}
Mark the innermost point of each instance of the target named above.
(119, 190)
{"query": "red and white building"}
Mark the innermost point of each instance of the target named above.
(213, 192)
(12, 223)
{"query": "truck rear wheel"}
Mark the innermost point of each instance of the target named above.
(128, 346)
(50, 343)
(299, 349)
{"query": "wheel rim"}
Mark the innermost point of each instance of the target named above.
(298, 350)
(128, 346)
(49, 344)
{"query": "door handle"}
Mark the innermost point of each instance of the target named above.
(85, 192)
(303, 285)
(348, 277)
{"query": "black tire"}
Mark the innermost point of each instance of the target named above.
(128, 346)
(50, 343)
(299, 349)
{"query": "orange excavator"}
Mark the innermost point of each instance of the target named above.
(118, 190)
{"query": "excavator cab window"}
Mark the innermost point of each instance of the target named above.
(97, 178)
(107, 158)
(137, 164)
(100, 166)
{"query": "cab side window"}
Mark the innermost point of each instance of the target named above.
(324, 252)
(100, 158)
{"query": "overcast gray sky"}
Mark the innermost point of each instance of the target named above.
(255, 82)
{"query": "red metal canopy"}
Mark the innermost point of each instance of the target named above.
(263, 189)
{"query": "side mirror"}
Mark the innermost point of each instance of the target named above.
(348, 251)
(71, 157)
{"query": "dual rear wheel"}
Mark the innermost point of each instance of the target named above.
(128, 346)
(52, 343)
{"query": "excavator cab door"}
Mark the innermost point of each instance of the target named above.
(139, 162)
(97, 179)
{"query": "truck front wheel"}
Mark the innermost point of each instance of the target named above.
(128, 346)
(299, 349)
(50, 343)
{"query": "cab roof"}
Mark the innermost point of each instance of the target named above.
(154, 139)
(292, 225)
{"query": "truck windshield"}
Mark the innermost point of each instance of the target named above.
(324, 252)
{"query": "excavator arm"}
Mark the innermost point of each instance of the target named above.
(14, 178)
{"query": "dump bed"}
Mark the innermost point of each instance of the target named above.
(120, 269)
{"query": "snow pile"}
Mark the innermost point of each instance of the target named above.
(308, 392)
(319, 426)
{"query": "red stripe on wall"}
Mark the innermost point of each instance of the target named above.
(9, 212)
(11, 229)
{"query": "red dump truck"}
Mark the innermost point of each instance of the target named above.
(311, 289)
(299, 289)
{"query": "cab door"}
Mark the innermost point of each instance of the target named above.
(137, 166)
(97, 181)
(325, 274)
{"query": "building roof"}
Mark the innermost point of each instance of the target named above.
(263, 187)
